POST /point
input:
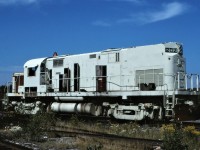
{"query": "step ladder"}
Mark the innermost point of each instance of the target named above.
(169, 106)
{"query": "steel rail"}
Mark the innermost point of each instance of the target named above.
(81, 132)
(9, 145)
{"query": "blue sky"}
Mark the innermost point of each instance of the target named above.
(36, 28)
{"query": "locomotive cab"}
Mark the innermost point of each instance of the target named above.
(33, 77)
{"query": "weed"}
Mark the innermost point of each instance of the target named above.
(38, 124)
(97, 146)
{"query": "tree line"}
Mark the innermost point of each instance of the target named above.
(2, 91)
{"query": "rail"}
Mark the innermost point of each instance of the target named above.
(6, 144)
(179, 81)
(81, 132)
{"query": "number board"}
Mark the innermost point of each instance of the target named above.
(171, 50)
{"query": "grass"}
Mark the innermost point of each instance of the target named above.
(105, 144)
(188, 137)
(131, 129)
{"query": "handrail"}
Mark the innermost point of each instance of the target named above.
(189, 79)
(121, 86)
(180, 81)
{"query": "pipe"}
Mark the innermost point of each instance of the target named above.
(197, 82)
(13, 85)
(191, 81)
(178, 80)
(71, 98)
(186, 86)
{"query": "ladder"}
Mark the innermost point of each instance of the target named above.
(169, 105)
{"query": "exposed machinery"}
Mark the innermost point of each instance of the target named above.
(126, 83)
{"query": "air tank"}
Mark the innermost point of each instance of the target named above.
(82, 108)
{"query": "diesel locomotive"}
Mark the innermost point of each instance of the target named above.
(136, 83)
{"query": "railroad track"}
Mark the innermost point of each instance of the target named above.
(86, 133)
(8, 145)
(195, 123)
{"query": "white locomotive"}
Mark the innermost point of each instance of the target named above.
(126, 83)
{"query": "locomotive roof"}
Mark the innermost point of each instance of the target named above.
(34, 62)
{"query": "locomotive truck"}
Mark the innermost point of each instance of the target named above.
(136, 83)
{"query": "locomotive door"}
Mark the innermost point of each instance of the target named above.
(18, 81)
(76, 77)
(60, 82)
(101, 78)
(66, 80)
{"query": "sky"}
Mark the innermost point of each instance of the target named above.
(37, 28)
